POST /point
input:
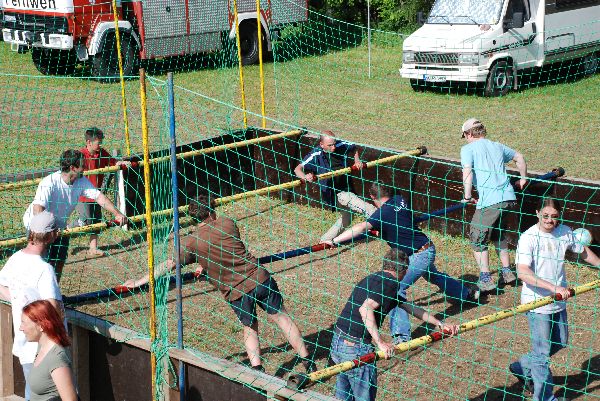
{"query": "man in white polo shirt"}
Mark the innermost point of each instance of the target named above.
(27, 277)
(59, 194)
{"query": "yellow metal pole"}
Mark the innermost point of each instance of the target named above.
(260, 63)
(149, 238)
(184, 155)
(301, 381)
(92, 227)
(295, 183)
(122, 79)
(241, 69)
(226, 199)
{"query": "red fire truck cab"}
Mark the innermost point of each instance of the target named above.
(63, 33)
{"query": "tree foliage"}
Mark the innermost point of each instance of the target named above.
(390, 15)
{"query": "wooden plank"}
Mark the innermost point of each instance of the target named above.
(7, 383)
(81, 361)
(271, 385)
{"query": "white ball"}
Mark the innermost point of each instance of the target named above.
(583, 236)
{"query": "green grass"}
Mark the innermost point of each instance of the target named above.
(553, 124)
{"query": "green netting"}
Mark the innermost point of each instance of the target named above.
(323, 74)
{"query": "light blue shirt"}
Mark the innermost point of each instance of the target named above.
(487, 160)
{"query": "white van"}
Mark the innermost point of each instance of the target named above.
(488, 41)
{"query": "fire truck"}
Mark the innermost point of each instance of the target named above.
(64, 33)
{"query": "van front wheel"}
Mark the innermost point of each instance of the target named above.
(417, 85)
(500, 79)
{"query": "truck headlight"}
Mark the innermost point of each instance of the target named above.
(408, 57)
(468, 58)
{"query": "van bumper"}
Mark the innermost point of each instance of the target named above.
(443, 74)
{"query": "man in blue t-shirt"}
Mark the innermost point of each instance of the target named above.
(395, 222)
(357, 327)
(483, 165)
(337, 193)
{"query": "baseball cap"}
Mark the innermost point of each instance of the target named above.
(42, 223)
(470, 123)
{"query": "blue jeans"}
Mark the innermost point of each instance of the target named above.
(548, 333)
(422, 264)
(359, 384)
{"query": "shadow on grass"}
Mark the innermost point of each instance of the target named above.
(571, 387)
(557, 73)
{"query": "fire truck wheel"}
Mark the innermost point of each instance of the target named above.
(105, 64)
(249, 44)
(53, 61)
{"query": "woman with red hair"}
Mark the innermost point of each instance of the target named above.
(51, 378)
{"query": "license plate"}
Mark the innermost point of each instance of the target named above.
(434, 78)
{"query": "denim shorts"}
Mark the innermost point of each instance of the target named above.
(266, 295)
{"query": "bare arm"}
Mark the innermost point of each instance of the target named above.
(352, 232)
(4, 293)
(425, 316)
(299, 171)
(528, 276)
(589, 256)
(368, 317)
(467, 173)
(357, 163)
(63, 379)
(160, 270)
(522, 166)
(105, 203)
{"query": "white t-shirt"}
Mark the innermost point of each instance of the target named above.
(28, 278)
(544, 253)
(59, 198)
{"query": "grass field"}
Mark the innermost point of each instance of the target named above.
(553, 124)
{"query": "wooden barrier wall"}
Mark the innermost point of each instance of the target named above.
(112, 363)
(427, 183)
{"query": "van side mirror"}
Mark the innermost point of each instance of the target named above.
(518, 20)
(421, 18)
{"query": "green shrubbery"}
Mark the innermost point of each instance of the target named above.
(391, 15)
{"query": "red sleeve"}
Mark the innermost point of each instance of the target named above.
(105, 155)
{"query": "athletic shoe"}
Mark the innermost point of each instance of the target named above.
(526, 382)
(260, 368)
(474, 294)
(486, 285)
(508, 277)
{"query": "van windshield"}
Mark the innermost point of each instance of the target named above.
(475, 12)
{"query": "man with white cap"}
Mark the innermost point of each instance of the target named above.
(483, 165)
(59, 194)
(27, 277)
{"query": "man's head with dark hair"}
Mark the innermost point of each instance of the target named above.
(70, 158)
(93, 133)
(551, 202)
(201, 207)
(377, 190)
(396, 260)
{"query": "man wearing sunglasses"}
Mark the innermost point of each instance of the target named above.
(540, 266)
